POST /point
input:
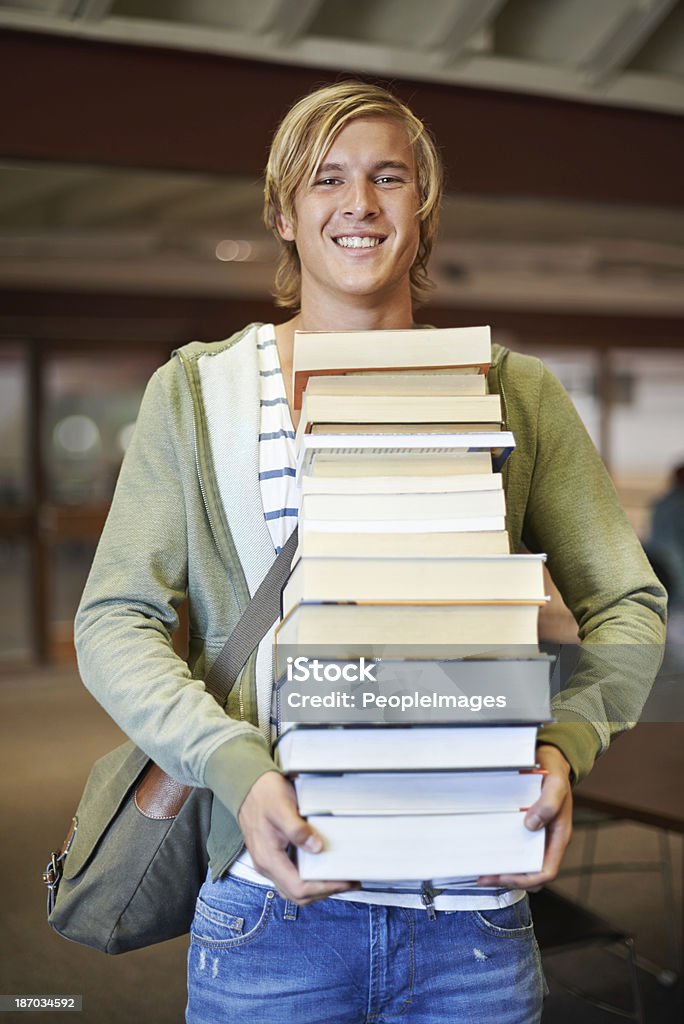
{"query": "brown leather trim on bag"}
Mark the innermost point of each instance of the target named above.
(159, 796)
(66, 845)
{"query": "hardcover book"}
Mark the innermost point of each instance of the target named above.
(343, 352)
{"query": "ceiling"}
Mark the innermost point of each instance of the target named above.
(624, 52)
(76, 226)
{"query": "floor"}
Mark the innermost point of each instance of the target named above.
(51, 731)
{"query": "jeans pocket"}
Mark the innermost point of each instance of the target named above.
(514, 921)
(232, 918)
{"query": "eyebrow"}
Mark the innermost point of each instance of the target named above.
(381, 165)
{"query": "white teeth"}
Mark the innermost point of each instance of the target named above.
(357, 242)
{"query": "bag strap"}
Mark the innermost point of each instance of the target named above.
(252, 626)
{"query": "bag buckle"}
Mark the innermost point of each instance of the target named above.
(54, 869)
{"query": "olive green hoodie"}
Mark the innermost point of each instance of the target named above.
(187, 519)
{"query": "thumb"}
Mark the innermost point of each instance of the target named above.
(547, 806)
(297, 830)
(313, 843)
(305, 836)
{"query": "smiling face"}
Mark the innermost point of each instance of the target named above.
(357, 230)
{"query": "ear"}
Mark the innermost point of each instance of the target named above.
(285, 228)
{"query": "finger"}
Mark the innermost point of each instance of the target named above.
(526, 881)
(545, 809)
(558, 833)
(558, 836)
(323, 890)
(295, 829)
(277, 866)
(288, 882)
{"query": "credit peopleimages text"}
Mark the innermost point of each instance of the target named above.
(398, 701)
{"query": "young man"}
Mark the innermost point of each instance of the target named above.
(203, 503)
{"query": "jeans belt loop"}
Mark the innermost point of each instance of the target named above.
(291, 911)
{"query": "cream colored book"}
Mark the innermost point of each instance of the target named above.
(449, 629)
(468, 524)
(379, 464)
(341, 352)
(361, 507)
(401, 545)
(370, 485)
(404, 384)
(400, 409)
(468, 578)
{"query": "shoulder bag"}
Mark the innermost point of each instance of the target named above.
(133, 861)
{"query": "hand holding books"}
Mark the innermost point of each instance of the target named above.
(271, 824)
(553, 812)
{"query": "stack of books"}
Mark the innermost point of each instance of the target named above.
(402, 803)
(403, 550)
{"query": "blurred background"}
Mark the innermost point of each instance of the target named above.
(133, 136)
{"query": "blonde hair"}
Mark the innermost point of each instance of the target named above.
(299, 145)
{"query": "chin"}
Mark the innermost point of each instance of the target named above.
(379, 289)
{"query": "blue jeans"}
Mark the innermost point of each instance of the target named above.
(256, 958)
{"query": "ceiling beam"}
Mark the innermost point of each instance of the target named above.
(92, 10)
(109, 201)
(83, 10)
(478, 69)
(627, 33)
(455, 23)
(108, 104)
(289, 19)
(31, 187)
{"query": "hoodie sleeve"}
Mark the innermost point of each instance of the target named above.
(127, 614)
(573, 514)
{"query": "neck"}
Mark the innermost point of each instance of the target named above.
(357, 316)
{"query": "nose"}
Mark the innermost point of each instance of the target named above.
(361, 200)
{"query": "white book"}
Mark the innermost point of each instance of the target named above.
(417, 792)
(499, 442)
(307, 748)
(422, 847)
